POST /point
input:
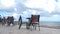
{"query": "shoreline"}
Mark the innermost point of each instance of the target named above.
(54, 27)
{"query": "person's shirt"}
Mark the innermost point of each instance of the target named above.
(20, 19)
(0, 19)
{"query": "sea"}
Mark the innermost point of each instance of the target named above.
(50, 23)
(47, 23)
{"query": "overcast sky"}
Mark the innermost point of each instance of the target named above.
(48, 9)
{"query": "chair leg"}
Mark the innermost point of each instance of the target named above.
(34, 26)
(39, 27)
(28, 26)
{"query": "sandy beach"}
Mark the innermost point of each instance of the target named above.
(23, 30)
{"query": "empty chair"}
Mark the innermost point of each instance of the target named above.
(34, 21)
(10, 20)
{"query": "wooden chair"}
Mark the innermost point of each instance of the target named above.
(34, 21)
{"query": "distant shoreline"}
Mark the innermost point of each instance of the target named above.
(55, 27)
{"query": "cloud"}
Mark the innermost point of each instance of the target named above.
(42, 7)
(49, 10)
(47, 5)
(56, 0)
(7, 3)
(55, 12)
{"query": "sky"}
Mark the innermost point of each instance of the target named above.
(49, 10)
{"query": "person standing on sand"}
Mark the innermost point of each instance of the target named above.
(20, 22)
(0, 19)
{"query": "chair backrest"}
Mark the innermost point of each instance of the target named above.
(35, 18)
(10, 19)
